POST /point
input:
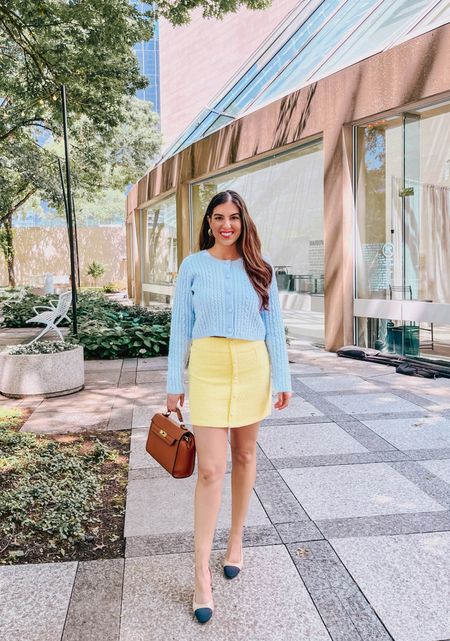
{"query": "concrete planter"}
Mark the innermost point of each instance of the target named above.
(42, 374)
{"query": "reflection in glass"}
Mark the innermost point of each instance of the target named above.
(159, 245)
(403, 207)
(378, 232)
(285, 199)
(407, 338)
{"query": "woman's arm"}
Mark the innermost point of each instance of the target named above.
(180, 329)
(276, 340)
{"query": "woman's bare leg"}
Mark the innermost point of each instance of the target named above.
(211, 444)
(243, 452)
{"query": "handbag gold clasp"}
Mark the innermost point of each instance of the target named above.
(163, 433)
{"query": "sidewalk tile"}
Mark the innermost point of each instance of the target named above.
(120, 418)
(151, 376)
(159, 506)
(158, 600)
(63, 422)
(306, 440)
(406, 578)
(385, 524)
(100, 365)
(383, 402)
(298, 369)
(129, 364)
(340, 491)
(150, 545)
(344, 609)
(439, 468)
(413, 433)
(95, 604)
(127, 379)
(34, 600)
(297, 407)
(338, 383)
(156, 362)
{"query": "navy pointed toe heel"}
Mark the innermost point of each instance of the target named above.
(231, 570)
(203, 611)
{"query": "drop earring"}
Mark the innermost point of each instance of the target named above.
(209, 231)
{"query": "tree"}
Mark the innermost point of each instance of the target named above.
(95, 270)
(87, 46)
(180, 12)
(30, 169)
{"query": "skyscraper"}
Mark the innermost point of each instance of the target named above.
(148, 56)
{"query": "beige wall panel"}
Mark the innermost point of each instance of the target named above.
(40, 250)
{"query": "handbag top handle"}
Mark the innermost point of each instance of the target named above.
(180, 417)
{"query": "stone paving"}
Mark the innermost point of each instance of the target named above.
(348, 531)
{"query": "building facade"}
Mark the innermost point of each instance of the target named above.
(199, 57)
(147, 54)
(347, 178)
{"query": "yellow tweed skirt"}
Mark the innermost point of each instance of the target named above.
(229, 382)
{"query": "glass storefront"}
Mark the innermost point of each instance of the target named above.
(158, 234)
(403, 233)
(284, 195)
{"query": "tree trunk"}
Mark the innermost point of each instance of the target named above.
(7, 247)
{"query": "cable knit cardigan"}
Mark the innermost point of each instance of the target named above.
(215, 297)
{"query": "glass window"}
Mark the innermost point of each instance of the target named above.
(438, 16)
(285, 199)
(378, 241)
(405, 338)
(403, 207)
(286, 42)
(261, 74)
(403, 224)
(307, 58)
(158, 248)
(374, 33)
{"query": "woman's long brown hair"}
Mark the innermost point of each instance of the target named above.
(248, 243)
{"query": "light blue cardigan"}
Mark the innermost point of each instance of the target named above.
(215, 297)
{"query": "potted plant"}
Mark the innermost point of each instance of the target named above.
(44, 368)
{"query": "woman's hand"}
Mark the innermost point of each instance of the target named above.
(172, 400)
(283, 400)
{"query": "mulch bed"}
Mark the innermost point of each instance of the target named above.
(104, 531)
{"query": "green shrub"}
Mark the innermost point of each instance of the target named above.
(121, 341)
(110, 288)
(41, 347)
(15, 314)
(50, 491)
(10, 417)
(91, 305)
(106, 328)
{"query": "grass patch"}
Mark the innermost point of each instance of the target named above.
(11, 417)
(62, 496)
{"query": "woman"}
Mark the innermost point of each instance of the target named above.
(226, 316)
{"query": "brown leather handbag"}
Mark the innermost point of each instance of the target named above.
(171, 444)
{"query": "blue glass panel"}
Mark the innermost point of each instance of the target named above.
(282, 57)
(375, 33)
(284, 47)
(298, 70)
(185, 138)
(259, 75)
